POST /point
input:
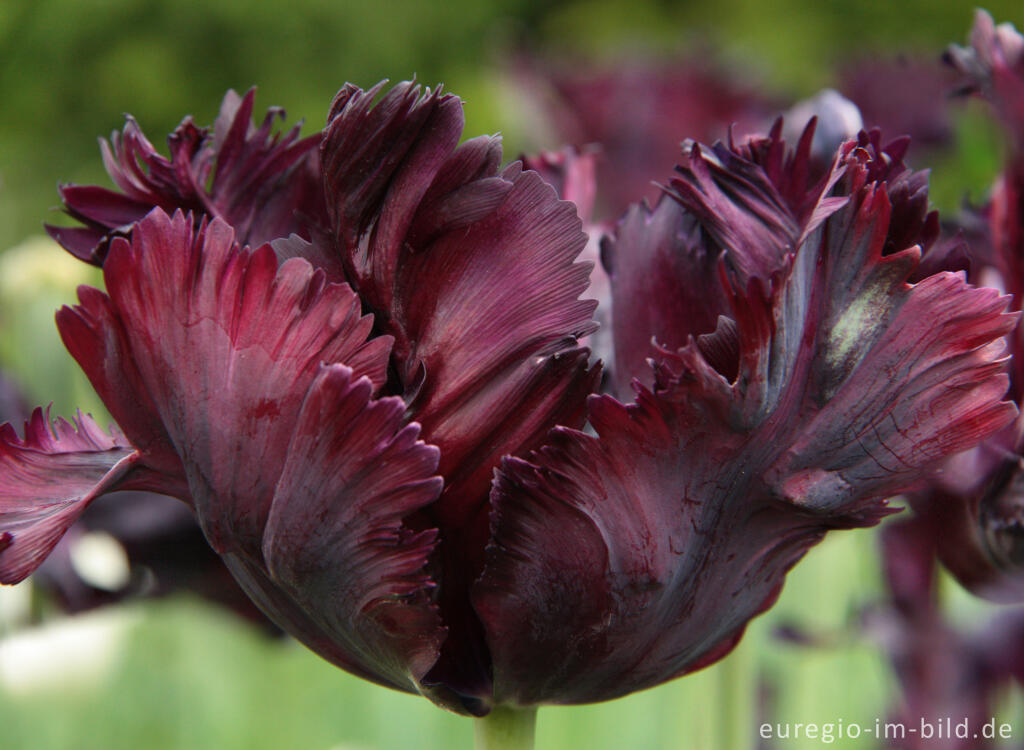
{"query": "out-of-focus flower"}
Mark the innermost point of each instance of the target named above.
(638, 111)
(902, 96)
(942, 671)
(976, 506)
(394, 467)
(993, 66)
(13, 406)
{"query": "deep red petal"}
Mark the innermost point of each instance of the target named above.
(665, 286)
(621, 561)
(335, 539)
(378, 162)
(479, 349)
(96, 338)
(226, 344)
(48, 478)
(472, 271)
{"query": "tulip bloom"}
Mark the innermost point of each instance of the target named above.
(378, 418)
(636, 111)
(942, 671)
(976, 507)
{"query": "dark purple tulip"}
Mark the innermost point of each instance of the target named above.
(394, 467)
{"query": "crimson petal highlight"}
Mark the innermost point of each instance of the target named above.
(226, 344)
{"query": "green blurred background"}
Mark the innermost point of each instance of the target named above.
(179, 674)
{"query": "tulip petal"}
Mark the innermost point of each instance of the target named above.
(97, 340)
(620, 562)
(412, 212)
(490, 354)
(649, 547)
(378, 161)
(472, 270)
(665, 286)
(225, 344)
(334, 537)
(901, 376)
(756, 201)
(267, 185)
(48, 479)
(746, 206)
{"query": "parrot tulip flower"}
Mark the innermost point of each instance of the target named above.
(378, 414)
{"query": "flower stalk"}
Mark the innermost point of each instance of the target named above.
(506, 729)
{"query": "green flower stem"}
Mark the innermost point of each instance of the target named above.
(737, 689)
(506, 729)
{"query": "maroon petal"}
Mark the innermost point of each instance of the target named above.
(665, 286)
(572, 172)
(265, 184)
(320, 253)
(757, 200)
(225, 344)
(472, 271)
(499, 370)
(490, 354)
(739, 206)
(334, 537)
(622, 560)
(378, 161)
(903, 376)
(973, 515)
(48, 480)
(746, 206)
(412, 212)
(96, 338)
